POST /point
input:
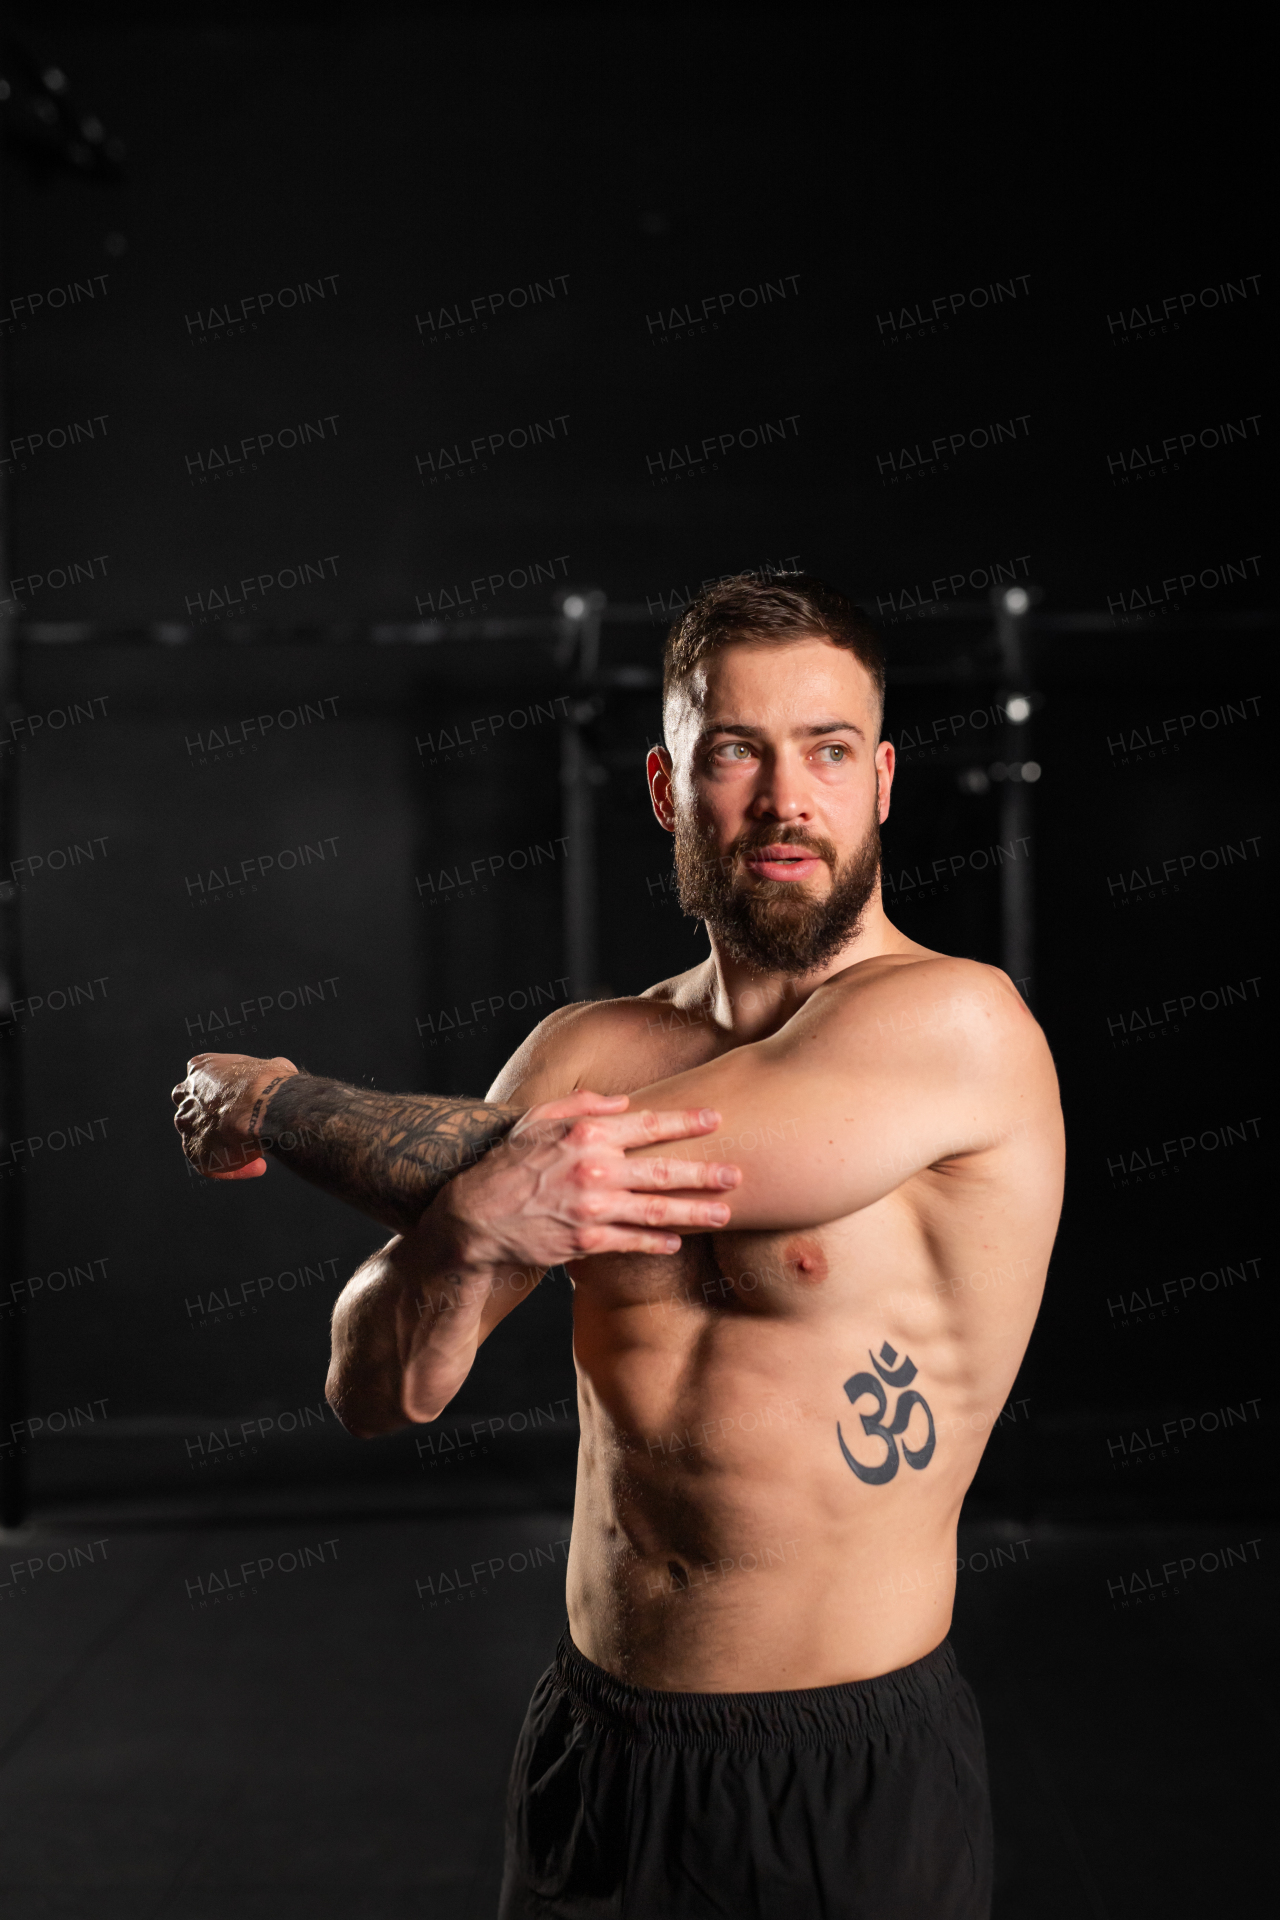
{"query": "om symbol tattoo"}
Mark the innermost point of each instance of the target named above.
(860, 1383)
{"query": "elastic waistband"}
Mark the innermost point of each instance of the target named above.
(802, 1717)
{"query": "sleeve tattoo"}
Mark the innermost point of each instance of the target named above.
(387, 1154)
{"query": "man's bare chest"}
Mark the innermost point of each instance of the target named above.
(758, 1275)
(820, 1277)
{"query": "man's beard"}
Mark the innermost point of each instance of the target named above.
(773, 925)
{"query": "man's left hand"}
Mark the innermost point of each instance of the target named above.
(221, 1105)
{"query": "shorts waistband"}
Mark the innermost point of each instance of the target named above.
(800, 1717)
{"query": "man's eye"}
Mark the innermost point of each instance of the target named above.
(733, 750)
(836, 750)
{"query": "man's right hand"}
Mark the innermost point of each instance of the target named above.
(560, 1187)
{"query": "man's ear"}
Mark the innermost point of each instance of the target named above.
(885, 759)
(658, 769)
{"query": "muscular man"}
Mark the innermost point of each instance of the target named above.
(754, 1710)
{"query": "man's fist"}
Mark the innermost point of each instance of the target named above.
(221, 1105)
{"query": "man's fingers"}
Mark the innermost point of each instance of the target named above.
(551, 1120)
(654, 1210)
(596, 1240)
(668, 1175)
(642, 1128)
(575, 1104)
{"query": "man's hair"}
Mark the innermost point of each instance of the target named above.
(771, 607)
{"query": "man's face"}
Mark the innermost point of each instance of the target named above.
(775, 787)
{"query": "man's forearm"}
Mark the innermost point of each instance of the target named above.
(406, 1328)
(388, 1154)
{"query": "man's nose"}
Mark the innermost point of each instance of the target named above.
(781, 792)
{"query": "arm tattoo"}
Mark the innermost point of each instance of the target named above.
(387, 1154)
(255, 1118)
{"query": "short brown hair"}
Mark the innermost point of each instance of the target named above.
(774, 606)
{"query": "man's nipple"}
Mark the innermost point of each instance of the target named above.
(804, 1260)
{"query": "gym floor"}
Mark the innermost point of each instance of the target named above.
(309, 1715)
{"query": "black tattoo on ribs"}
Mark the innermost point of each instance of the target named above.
(387, 1154)
(855, 1386)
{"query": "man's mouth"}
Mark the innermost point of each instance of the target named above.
(782, 862)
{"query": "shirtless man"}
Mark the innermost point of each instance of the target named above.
(754, 1710)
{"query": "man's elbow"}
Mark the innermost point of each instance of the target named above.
(427, 1387)
(365, 1415)
(420, 1405)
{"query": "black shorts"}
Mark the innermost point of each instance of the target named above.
(860, 1802)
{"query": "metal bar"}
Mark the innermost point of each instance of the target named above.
(580, 774)
(13, 1489)
(1017, 874)
(342, 633)
(553, 626)
(581, 941)
(13, 1326)
(1017, 906)
(958, 611)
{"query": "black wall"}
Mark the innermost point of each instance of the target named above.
(1095, 185)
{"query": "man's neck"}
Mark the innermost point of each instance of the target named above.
(750, 1005)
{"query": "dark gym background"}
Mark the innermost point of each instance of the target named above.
(571, 311)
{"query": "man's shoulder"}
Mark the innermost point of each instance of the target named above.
(625, 1014)
(940, 1000)
(953, 1034)
(593, 1042)
(589, 1024)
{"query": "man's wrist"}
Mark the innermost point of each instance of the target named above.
(462, 1242)
(258, 1096)
(277, 1117)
